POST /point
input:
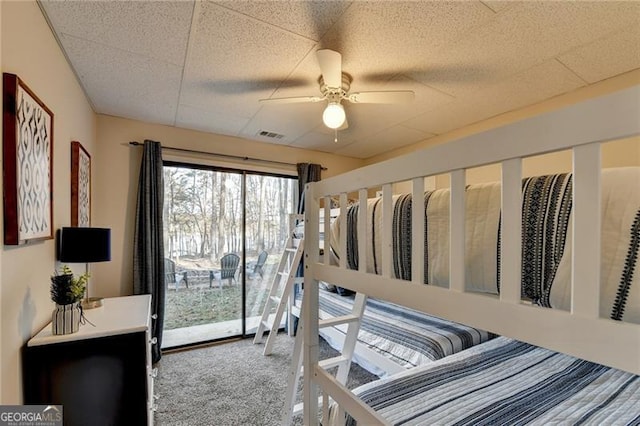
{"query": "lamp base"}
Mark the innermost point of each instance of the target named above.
(92, 302)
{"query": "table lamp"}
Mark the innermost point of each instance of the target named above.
(85, 245)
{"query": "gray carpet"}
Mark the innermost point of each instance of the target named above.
(231, 384)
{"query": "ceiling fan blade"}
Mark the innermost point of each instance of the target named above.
(293, 100)
(330, 67)
(391, 97)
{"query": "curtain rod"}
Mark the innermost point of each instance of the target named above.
(233, 157)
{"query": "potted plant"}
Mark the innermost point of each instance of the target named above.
(67, 292)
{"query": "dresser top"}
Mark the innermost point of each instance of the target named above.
(118, 315)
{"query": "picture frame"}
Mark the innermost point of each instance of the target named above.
(80, 185)
(27, 126)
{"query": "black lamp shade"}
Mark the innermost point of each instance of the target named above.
(84, 245)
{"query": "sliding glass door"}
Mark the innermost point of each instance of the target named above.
(269, 202)
(224, 234)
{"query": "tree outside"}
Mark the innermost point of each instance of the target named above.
(203, 218)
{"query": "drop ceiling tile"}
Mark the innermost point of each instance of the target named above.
(609, 56)
(426, 98)
(454, 76)
(366, 120)
(383, 37)
(526, 88)
(345, 135)
(208, 121)
(466, 61)
(147, 89)
(319, 141)
(524, 36)
(498, 5)
(387, 140)
(309, 19)
(234, 60)
(303, 81)
(450, 116)
(291, 120)
(159, 30)
(203, 97)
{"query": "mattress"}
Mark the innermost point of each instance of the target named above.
(505, 381)
(408, 338)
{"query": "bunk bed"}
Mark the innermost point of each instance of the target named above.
(391, 338)
(568, 319)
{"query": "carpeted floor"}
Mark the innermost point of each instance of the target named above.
(231, 384)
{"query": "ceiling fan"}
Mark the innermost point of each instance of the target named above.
(334, 88)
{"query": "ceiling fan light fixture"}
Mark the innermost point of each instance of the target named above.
(333, 115)
(334, 87)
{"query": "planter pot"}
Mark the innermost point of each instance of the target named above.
(66, 318)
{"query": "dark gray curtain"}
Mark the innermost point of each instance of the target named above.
(148, 246)
(307, 172)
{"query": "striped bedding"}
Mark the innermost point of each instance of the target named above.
(546, 212)
(406, 337)
(505, 381)
(546, 229)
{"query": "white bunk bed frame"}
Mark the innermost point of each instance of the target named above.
(580, 332)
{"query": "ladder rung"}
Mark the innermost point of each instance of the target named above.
(291, 249)
(276, 299)
(332, 362)
(284, 273)
(344, 319)
(266, 324)
(297, 409)
(328, 363)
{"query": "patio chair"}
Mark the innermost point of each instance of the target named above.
(171, 276)
(256, 267)
(228, 267)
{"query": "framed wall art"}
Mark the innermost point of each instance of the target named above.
(27, 126)
(80, 185)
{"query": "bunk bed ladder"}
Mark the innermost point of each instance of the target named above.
(342, 361)
(281, 288)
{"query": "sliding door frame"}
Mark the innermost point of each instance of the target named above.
(243, 196)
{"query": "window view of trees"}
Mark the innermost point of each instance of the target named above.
(269, 203)
(203, 220)
(203, 212)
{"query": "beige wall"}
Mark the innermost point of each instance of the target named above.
(116, 167)
(29, 50)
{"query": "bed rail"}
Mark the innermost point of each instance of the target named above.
(579, 332)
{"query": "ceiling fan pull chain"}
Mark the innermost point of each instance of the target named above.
(335, 137)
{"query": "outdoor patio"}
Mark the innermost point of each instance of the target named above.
(200, 313)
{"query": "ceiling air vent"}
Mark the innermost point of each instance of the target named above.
(271, 135)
